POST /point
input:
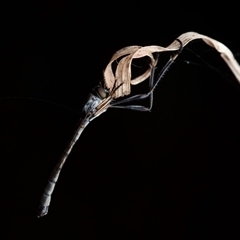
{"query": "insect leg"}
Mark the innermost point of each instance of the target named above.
(137, 97)
(152, 86)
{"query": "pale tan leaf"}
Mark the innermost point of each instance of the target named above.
(122, 76)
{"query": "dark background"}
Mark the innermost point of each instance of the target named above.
(168, 174)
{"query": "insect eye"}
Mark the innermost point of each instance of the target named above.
(102, 92)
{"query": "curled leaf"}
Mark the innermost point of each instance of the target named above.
(123, 76)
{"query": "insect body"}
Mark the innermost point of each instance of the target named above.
(118, 84)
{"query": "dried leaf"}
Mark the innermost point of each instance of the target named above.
(123, 74)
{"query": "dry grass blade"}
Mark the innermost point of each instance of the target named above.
(122, 74)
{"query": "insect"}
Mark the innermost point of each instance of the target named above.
(117, 84)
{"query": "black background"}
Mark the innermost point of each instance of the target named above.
(168, 174)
